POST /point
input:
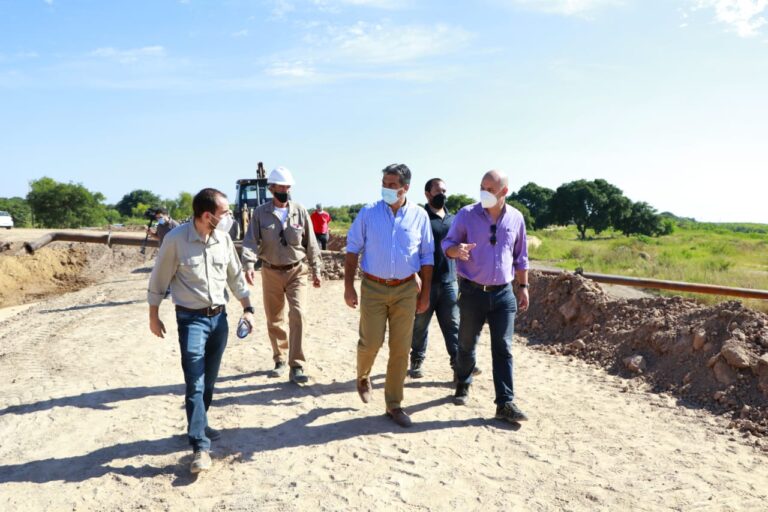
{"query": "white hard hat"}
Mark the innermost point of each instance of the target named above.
(280, 176)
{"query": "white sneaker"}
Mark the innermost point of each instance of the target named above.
(201, 461)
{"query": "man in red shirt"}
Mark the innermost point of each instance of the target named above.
(320, 221)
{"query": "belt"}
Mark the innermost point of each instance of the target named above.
(389, 282)
(210, 311)
(281, 267)
(484, 287)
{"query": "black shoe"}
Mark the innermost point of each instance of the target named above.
(509, 412)
(212, 434)
(476, 371)
(462, 394)
(297, 375)
(279, 370)
(415, 371)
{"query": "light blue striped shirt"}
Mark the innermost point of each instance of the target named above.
(393, 246)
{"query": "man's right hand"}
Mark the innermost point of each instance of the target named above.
(461, 251)
(249, 276)
(156, 326)
(350, 296)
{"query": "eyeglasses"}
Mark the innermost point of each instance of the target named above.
(493, 234)
(283, 241)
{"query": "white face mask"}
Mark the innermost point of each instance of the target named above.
(225, 223)
(487, 199)
(389, 196)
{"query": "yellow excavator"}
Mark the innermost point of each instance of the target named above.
(249, 194)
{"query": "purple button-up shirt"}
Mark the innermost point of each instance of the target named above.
(489, 264)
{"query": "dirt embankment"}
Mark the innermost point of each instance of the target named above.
(710, 356)
(58, 268)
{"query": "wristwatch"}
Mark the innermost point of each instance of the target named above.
(249, 309)
(523, 285)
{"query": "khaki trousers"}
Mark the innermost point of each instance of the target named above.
(277, 286)
(381, 304)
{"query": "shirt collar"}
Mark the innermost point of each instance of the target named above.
(194, 236)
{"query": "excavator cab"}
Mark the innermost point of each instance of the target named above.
(249, 194)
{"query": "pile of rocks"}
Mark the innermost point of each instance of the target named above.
(710, 356)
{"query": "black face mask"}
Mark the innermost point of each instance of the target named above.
(281, 196)
(438, 201)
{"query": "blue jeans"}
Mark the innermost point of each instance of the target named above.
(202, 341)
(498, 308)
(442, 301)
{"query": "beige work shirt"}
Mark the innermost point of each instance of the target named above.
(264, 240)
(198, 272)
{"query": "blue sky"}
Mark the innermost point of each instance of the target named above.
(666, 99)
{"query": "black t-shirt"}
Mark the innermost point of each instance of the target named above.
(445, 268)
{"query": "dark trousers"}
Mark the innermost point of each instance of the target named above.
(202, 340)
(442, 302)
(322, 240)
(498, 308)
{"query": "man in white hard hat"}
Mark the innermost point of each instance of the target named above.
(281, 236)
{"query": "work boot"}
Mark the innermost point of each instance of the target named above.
(462, 394)
(509, 412)
(279, 370)
(201, 461)
(415, 370)
(297, 375)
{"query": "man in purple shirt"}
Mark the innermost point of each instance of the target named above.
(488, 240)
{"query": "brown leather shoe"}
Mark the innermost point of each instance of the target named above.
(364, 389)
(398, 416)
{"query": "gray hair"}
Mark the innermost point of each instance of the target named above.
(402, 172)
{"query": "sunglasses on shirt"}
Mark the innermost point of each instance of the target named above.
(493, 234)
(283, 241)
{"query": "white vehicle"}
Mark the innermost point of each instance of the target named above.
(6, 221)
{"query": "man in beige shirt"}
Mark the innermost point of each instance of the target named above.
(198, 261)
(281, 236)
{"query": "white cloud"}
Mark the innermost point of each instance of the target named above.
(745, 17)
(296, 69)
(130, 55)
(377, 43)
(240, 33)
(380, 4)
(564, 7)
(49, 2)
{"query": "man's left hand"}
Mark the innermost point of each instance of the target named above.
(522, 299)
(316, 281)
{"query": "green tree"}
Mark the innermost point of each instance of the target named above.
(131, 200)
(19, 209)
(456, 202)
(65, 205)
(581, 203)
(537, 200)
(642, 219)
(181, 207)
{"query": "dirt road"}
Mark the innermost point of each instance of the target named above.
(91, 418)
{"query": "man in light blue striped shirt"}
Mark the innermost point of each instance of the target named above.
(395, 239)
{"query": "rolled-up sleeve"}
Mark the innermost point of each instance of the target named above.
(163, 272)
(235, 275)
(251, 243)
(427, 247)
(520, 251)
(457, 234)
(314, 256)
(356, 234)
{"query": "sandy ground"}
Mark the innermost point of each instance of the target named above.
(91, 418)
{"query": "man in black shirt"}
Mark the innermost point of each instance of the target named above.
(444, 289)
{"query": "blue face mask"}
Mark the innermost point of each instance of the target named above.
(160, 221)
(389, 196)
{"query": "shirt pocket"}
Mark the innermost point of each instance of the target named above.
(293, 234)
(192, 268)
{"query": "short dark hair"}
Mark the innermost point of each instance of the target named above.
(205, 201)
(161, 209)
(431, 182)
(402, 172)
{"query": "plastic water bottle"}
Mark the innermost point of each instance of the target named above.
(243, 328)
